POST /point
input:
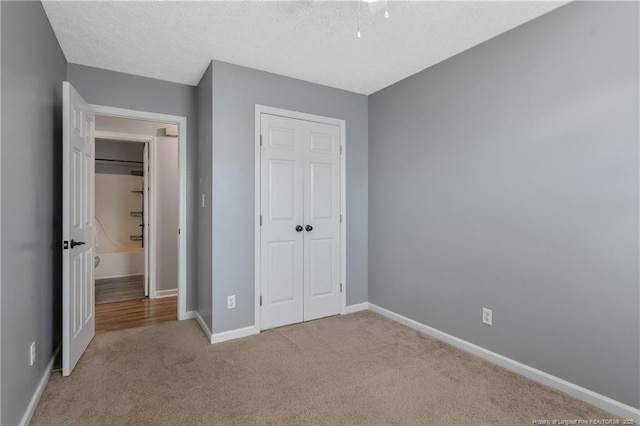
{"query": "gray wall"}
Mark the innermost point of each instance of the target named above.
(507, 177)
(167, 187)
(236, 91)
(33, 68)
(0, 214)
(204, 221)
(167, 216)
(114, 89)
(116, 150)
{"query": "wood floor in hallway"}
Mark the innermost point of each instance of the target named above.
(111, 290)
(135, 313)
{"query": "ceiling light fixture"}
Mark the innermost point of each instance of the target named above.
(374, 7)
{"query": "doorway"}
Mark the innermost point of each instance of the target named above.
(122, 209)
(136, 216)
(300, 239)
(79, 224)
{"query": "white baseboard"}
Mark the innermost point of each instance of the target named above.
(188, 315)
(593, 398)
(166, 293)
(31, 408)
(204, 326)
(355, 308)
(226, 335)
(109, 277)
(234, 334)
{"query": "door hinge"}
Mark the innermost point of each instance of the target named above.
(260, 300)
(340, 218)
(340, 287)
(178, 231)
(260, 220)
(260, 140)
(340, 149)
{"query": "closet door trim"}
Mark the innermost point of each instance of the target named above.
(341, 124)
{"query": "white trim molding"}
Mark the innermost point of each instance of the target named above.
(355, 308)
(342, 125)
(31, 408)
(189, 315)
(181, 122)
(110, 277)
(123, 137)
(203, 326)
(211, 197)
(234, 334)
(586, 395)
(159, 294)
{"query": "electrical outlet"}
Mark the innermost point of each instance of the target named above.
(32, 353)
(231, 301)
(487, 316)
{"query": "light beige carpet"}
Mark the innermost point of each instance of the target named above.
(353, 369)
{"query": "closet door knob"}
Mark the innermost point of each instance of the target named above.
(309, 228)
(76, 243)
(299, 228)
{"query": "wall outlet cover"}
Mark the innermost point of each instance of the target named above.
(231, 301)
(487, 316)
(32, 354)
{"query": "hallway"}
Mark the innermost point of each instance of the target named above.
(135, 313)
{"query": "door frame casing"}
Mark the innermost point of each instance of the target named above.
(181, 122)
(151, 143)
(262, 109)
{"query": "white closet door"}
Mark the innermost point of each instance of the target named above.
(322, 221)
(281, 206)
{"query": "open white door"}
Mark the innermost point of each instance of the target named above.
(146, 231)
(78, 227)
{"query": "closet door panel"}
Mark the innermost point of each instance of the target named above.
(322, 221)
(281, 260)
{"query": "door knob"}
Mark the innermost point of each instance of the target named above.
(299, 228)
(309, 228)
(76, 243)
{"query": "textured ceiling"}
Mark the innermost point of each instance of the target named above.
(310, 40)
